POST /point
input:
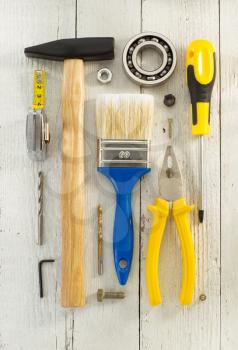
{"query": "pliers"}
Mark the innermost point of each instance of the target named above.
(170, 187)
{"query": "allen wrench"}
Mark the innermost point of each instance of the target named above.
(41, 262)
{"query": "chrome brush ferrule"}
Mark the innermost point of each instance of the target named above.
(123, 153)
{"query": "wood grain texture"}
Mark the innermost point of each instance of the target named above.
(229, 169)
(73, 185)
(26, 322)
(171, 326)
(112, 324)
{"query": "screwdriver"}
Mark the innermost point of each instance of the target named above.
(201, 70)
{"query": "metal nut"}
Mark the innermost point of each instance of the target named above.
(169, 100)
(202, 297)
(104, 75)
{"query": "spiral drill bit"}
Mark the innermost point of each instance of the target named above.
(100, 241)
(40, 208)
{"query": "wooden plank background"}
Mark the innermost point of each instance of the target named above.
(28, 322)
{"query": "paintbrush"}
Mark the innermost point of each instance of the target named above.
(124, 126)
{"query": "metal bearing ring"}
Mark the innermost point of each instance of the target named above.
(157, 42)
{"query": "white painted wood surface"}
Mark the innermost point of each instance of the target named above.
(229, 166)
(26, 321)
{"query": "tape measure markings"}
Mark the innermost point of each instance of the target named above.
(39, 89)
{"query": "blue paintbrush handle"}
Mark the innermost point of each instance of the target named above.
(123, 237)
(123, 180)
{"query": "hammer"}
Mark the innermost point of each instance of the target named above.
(73, 52)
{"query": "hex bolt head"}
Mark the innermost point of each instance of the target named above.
(100, 295)
(169, 100)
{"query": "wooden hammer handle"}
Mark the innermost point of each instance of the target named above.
(72, 185)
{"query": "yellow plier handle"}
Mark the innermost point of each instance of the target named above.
(160, 211)
(180, 213)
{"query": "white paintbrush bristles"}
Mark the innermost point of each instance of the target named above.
(124, 116)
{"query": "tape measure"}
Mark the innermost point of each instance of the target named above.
(39, 89)
(37, 127)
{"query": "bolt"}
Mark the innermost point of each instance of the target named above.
(203, 297)
(170, 122)
(169, 100)
(109, 295)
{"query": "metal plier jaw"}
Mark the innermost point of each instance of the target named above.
(170, 183)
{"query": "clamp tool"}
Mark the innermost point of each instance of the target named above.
(170, 185)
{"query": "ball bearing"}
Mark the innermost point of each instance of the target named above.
(135, 47)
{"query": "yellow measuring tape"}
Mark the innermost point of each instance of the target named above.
(39, 89)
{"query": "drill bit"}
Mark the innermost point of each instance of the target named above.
(100, 241)
(40, 208)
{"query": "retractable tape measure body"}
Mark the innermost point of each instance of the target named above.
(37, 128)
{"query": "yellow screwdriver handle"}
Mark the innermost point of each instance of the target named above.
(200, 63)
(180, 213)
(160, 211)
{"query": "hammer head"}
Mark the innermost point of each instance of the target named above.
(87, 49)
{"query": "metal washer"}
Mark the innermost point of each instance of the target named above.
(162, 45)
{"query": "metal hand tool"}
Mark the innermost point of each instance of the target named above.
(170, 187)
(133, 50)
(41, 262)
(73, 52)
(100, 241)
(200, 79)
(40, 208)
